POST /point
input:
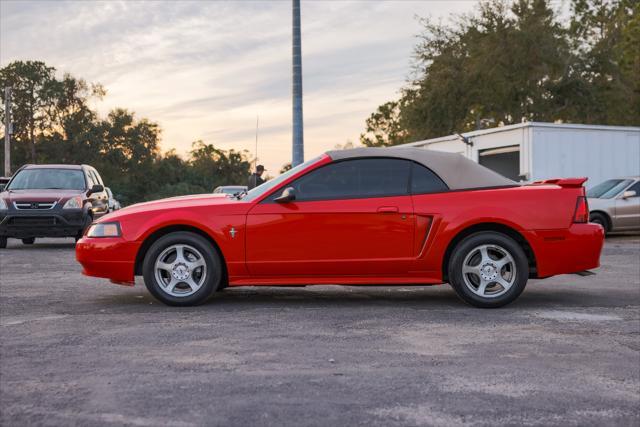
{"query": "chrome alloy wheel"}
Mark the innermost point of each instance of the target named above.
(489, 271)
(180, 270)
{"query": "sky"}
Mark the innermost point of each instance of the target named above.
(206, 69)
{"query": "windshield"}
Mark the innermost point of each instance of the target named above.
(608, 189)
(48, 179)
(269, 185)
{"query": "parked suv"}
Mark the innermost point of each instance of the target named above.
(51, 201)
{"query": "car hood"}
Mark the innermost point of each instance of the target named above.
(177, 202)
(38, 195)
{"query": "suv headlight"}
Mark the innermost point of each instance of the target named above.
(104, 229)
(3, 204)
(73, 203)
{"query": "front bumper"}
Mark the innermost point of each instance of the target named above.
(567, 251)
(110, 258)
(41, 223)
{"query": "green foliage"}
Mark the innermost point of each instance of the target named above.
(54, 123)
(286, 167)
(513, 61)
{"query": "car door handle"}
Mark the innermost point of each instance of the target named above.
(388, 209)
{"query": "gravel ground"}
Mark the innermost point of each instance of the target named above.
(80, 351)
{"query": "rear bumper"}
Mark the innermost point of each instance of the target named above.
(46, 223)
(110, 258)
(566, 251)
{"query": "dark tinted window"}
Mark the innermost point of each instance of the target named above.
(355, 179)
(423, 180)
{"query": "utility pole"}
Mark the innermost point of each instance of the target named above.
(7, 131)
(298, 138)
(255, 166)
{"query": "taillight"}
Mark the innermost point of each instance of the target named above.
(582, 211)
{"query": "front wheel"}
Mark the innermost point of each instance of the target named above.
(182, 269)
(488, 269)
(598, 218)
(3, 242)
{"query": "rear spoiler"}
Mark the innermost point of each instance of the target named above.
(564, 182)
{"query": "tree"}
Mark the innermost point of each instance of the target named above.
(33, 90)
(286, 167)
(513, 61)
(606, 40)
(54, 115)
(383, 127)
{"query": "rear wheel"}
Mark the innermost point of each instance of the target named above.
(488, 269)
(182, 269)
(29, 240)
(3, 242)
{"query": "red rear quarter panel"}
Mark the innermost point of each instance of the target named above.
(542, 214)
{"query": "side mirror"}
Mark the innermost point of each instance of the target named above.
(97, 188)
(628, 194)
(288, 195)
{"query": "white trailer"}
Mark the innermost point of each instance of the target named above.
(531, 151)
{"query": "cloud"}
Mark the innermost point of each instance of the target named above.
(205, 69)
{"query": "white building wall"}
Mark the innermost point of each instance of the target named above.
(550, 150)
(598, 154)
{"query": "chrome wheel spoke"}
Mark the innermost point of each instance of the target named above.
(484, 254)
(192, 284)
(172, 285)
(502, 262)
(471, 269)
(482, 287)
(164, 266)
(195, 264)
(504, 283)
(180, 254)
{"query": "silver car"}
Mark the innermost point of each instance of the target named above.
(230, 190)
(615, 204)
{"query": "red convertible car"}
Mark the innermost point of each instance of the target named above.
(370, 216)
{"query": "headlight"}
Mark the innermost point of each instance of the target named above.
(73, 203)
(104, 229)
(3, 204)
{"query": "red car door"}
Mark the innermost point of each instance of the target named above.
(353, 217)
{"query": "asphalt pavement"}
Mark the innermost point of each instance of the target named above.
(81, 351)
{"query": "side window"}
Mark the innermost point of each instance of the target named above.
(423, 181)
(360, 178)
(98, 177)
(90, 179)
(94, 177)
(635, 187)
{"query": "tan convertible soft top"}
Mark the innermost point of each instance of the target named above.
(456, 171)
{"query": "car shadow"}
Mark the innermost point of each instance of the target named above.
(416, 298)
(23, 247)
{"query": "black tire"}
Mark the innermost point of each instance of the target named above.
(3, 242)
(87, 223)
(600, 218)
(29, 240)
(212, 259)
(467, 246)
